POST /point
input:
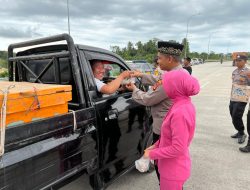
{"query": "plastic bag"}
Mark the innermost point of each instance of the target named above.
(142, 165)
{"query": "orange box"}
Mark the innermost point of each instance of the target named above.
(32, 101)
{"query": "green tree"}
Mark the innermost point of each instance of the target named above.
(3, 55)
(115, 49)
(186, 48)
(140, 48)
(141, 51)
(131, 50)
(4, 73)
(203, 55)
(194, 55)
(3, 59)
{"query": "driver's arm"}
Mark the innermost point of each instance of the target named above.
(114, 85)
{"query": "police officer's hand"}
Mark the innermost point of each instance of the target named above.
(125, 74)
(131, 86)
(136, 73)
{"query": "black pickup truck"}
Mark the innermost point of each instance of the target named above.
(98, 139)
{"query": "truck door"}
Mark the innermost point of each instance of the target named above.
(124, 124)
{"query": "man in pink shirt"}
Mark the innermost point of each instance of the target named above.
(177, 131)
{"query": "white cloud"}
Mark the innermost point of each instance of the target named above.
(113, 22)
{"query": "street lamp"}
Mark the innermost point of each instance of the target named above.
(228, 45)
(68, 16)
(209, 39)
(189, 19)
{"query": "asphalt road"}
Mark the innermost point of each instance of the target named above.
(217, 163)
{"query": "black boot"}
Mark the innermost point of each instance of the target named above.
(242, 139)
(246, 148)
(235, 136)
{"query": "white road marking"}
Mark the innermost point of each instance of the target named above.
(202, 86)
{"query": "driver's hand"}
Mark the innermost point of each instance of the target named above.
(136, 73)
(125, 74)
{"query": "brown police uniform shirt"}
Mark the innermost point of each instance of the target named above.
(239, 77)
(156, 98)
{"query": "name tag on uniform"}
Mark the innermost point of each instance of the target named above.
(157, 84)
(240, 93)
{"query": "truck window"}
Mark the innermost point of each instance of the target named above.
(58, 72)
(112, 71)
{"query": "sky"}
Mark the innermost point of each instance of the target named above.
(222, 25)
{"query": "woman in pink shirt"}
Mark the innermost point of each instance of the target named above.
(177, 131)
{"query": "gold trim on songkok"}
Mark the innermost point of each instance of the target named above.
(169, 50)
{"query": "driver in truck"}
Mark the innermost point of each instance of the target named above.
(110, 88)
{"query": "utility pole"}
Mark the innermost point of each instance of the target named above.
(186, 42)
(68, 17)
(208, 45)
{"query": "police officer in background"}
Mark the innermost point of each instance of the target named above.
(246, 148)
(168, 59)
(236, 108)
(221, 58)
(187, 65)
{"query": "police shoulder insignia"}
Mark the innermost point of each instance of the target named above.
(157, 84)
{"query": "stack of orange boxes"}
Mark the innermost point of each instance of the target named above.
(28, 102)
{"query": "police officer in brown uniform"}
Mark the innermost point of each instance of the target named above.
(168, 59)
(246, 148)
(187, 65)
(237, 108)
